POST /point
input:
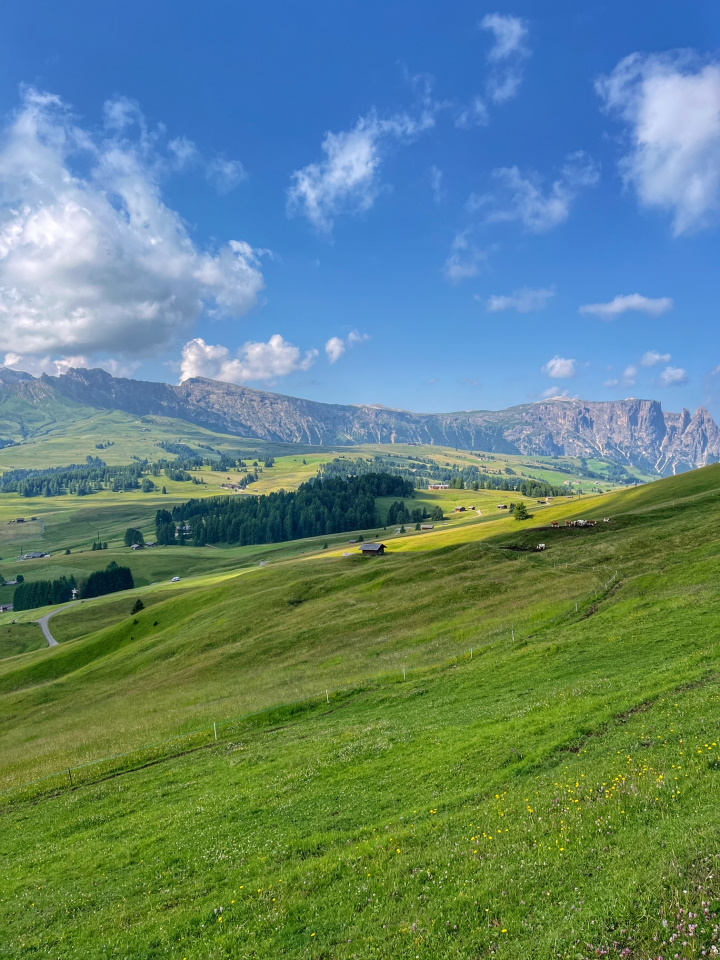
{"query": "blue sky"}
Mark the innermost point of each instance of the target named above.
(427, 205)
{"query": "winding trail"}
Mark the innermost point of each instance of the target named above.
(43, 621)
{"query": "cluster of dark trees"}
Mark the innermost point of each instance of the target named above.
(110, 580)
(399, 513)
(41, 593)
(181, 450)
(316, 508)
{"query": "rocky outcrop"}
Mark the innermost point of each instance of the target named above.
(630, 432)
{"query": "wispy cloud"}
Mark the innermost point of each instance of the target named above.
(225, 174)
(523, 197)
(632, 302)
(436, 184)
(183, 151)
(552, 394)
(628, 378)
(560, 368)
(474, 115)
(652, 358)
(524, 301)
(251, 362)
(465, 258)
(507, 55)
(347, 179)
(670, 105)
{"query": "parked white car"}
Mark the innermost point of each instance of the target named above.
(175, 580)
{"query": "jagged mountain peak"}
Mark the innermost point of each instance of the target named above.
(634, 432)
(8, 375)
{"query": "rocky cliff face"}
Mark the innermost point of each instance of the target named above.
(630, 432)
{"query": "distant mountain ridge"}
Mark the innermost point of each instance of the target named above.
(629, 432)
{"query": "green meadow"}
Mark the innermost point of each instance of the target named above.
(465, 748)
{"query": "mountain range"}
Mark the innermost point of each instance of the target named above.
(632, 432)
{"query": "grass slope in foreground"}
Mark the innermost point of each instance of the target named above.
(552, 797)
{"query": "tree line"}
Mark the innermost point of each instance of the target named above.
(80, 479)
(317, 508)
(422, 471)
(42, 593)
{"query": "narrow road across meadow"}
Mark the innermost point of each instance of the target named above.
(43, 621)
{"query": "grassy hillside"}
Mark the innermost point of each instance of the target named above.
(59, 434)
(551, 795)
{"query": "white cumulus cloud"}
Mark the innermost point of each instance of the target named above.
(336, 346)
(523, 197)
(632, 302)
(673, 377)
(91, 258)
(251, 362)
(652, 358)
(670, 105)
(347, 179)
(524, 301)
(507, 55)
(560, 368)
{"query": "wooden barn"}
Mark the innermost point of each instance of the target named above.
(372, 549)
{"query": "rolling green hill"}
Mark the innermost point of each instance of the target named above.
(517, 755)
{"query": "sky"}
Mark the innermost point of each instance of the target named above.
(432, 206)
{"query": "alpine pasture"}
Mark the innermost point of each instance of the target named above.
(465, 748)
